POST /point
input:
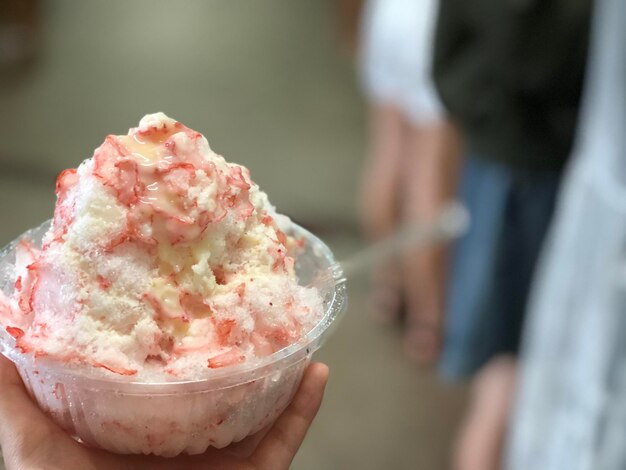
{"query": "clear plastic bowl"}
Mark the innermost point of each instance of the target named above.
(179, 417)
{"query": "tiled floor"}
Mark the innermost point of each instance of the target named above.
(267, 85)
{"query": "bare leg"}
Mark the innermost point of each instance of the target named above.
(379, 201)
(429, 179)
(481, 440)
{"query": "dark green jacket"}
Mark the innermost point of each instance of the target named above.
(510, 73)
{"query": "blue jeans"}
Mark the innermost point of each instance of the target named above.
(493, 264)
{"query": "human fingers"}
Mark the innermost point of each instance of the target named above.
(280, 444)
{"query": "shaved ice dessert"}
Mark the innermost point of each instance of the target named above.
(160, 311)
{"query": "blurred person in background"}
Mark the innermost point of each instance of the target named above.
(408, 172)
(510, 75)
(571, 405)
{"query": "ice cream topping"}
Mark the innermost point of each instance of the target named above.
(163, 261)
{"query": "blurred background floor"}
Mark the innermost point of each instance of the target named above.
(265, 82)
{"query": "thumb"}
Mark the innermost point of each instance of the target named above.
(8, 374)
(280, 444)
